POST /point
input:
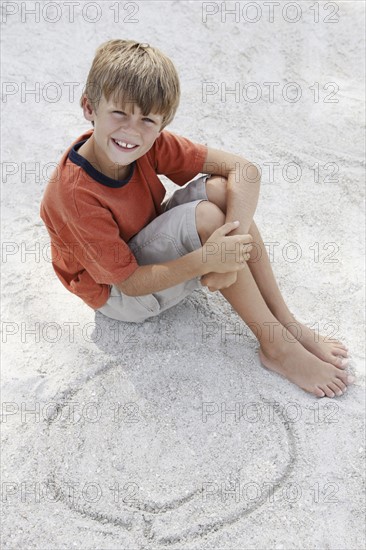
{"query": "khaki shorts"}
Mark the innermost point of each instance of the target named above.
(169, 236)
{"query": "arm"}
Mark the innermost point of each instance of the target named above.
(242, 198)
(155, 277)
(243, 184)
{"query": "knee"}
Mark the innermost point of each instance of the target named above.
(208, 218)
(216, 190)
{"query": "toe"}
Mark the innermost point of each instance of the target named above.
(341, 385)
(340, 351)
(328, 391)
(335, 388)
(346, 378)
(334, 342)
(319, 392)
(339, 362)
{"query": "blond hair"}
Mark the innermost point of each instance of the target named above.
(133, 72)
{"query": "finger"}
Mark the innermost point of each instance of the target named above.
(245, 239)
(226, 228)
(241, 239)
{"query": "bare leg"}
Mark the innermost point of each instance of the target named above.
(288, 358)
(277, 353)
(333, 351)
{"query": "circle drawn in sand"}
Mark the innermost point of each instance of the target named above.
(167, 466)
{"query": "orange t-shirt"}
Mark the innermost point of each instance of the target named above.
(91, 217)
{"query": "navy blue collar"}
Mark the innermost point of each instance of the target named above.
(95, 174)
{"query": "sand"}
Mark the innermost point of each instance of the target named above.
(169, 434)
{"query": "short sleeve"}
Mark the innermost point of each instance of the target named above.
(177, 157)
(95, 242)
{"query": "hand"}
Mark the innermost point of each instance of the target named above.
(217, 281)
(224, 254)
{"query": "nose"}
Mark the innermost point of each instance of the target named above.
(130, 123)
(130, 130)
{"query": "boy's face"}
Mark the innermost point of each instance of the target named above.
(120, 137)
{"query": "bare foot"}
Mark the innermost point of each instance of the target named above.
(305, 370)
(329, 350)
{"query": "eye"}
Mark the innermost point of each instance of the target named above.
(149, 120)
(119, 112)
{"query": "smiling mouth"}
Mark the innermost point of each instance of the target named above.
(124, 146)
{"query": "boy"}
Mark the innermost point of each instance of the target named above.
(130, 255)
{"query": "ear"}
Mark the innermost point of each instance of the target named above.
(88, 109)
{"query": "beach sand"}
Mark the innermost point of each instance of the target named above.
(169, 434)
